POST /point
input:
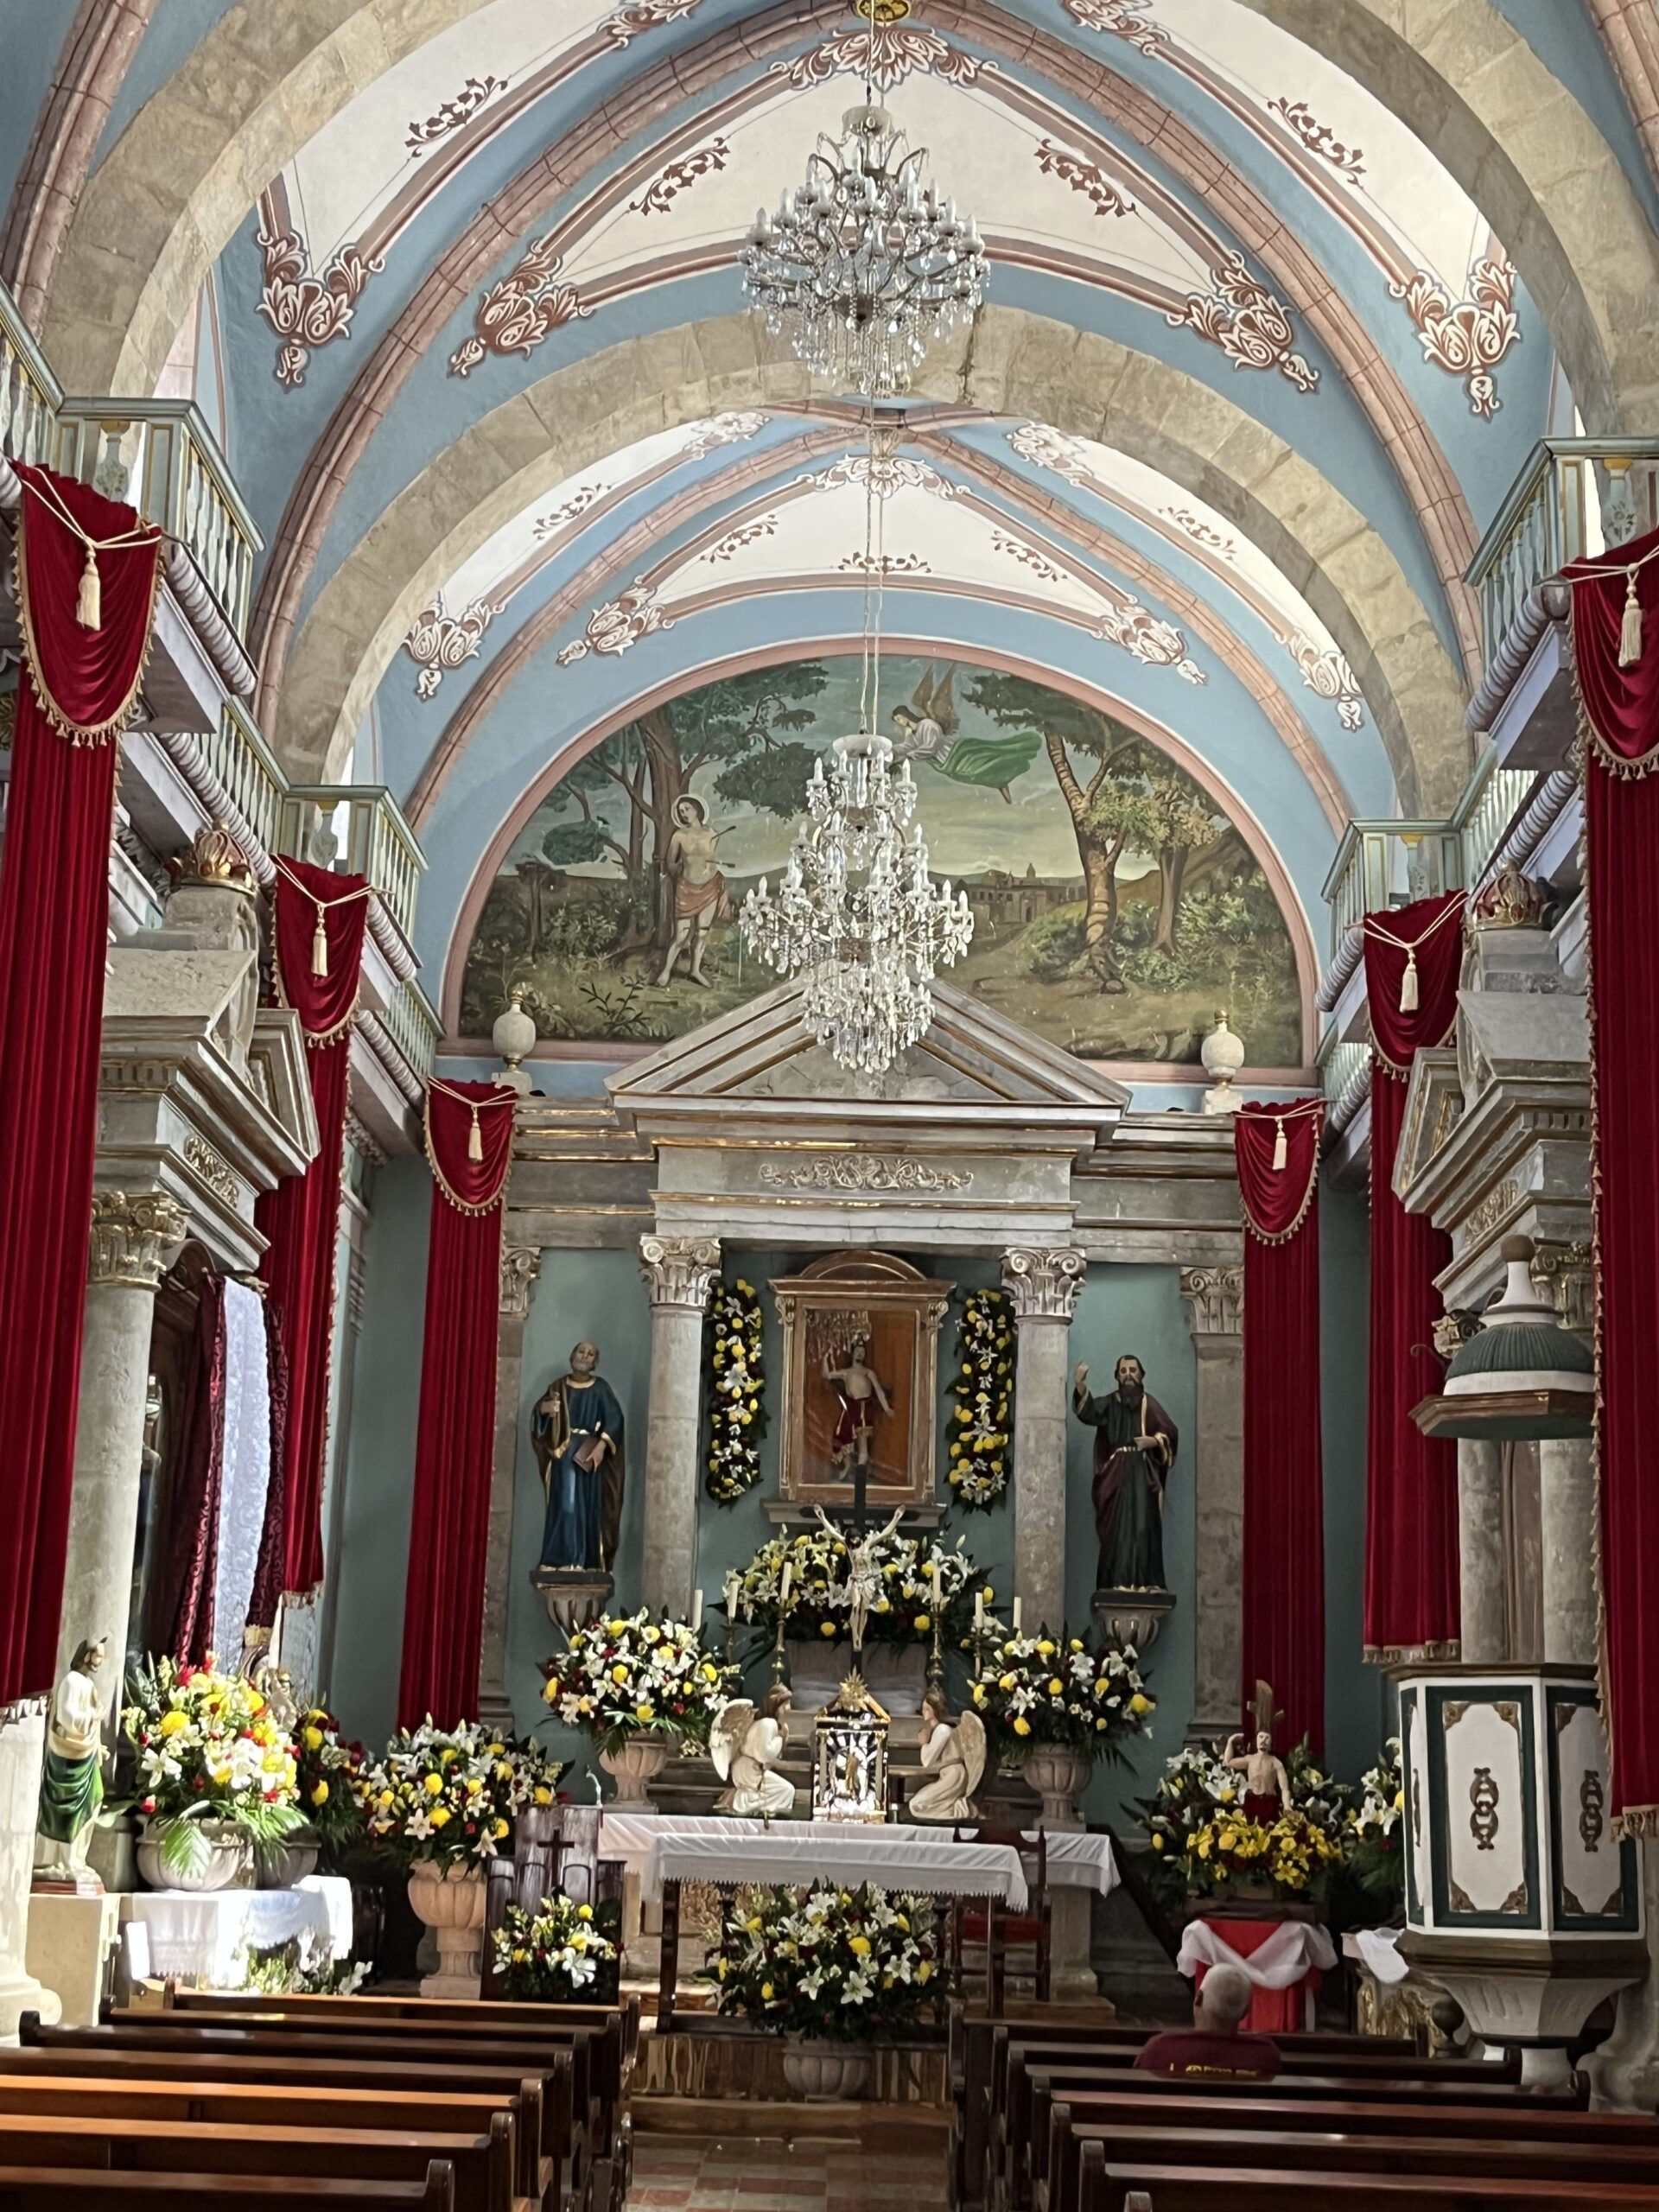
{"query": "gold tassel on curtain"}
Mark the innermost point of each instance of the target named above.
(320, 944)
(474, 1138)
(1408, 983)
(89, 600)
(1281, 1150)
(1629, 630)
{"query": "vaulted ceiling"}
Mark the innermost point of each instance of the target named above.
(1282, 292)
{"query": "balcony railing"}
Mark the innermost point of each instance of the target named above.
(29, 393)
(414, 1027)
(1346, 1073)
(1490, 801)
(1381, 864)
(243, 762)
(160, 455)
(1574, 496)
(370, 837)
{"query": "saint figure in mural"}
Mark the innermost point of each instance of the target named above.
(927, 732)
(1134, 1450)
(576, 1429)
(700, 894)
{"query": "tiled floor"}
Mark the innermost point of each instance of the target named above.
(689, 2174)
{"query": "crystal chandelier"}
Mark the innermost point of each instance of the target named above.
(857, 914)
(863, 263)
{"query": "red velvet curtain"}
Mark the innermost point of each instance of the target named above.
(77, 695)
(1621, 838)
(1411, 1485)
(1277, 1149)
(320, 920)
(443, 1608)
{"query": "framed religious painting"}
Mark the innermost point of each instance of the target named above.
(860, 1365)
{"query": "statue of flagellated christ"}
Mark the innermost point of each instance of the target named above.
(1135, 1449)
(577, 1432)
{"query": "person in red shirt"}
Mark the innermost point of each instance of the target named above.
(1213, 2045)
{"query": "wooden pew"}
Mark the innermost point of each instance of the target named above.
(481, 2165)
(56, 2188)
(1109, 2186)
(466, 2096)
(1420, 2148)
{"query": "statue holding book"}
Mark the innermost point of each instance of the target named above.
(576, 1429)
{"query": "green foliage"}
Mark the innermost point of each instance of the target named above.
(774, 780)
(1053, 945)
(573, 844)
(1156, 971)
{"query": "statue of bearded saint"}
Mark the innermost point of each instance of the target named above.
(1135, 1449)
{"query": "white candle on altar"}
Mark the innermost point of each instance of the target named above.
(1016, 1616)
(979, 1612)
(933, 1569)
(732, 1586)
(696, 1611)
(783, 1587)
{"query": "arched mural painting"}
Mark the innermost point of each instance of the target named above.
(1116, 905)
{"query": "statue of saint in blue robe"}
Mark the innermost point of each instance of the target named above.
(577, 1432)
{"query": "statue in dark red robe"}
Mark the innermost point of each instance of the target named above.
(1135, 1449)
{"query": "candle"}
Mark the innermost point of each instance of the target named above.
(933, 1569)
(783, 1587)
(979, 1612)
(1016, 1616)
(696, 1611)
(732, 1586)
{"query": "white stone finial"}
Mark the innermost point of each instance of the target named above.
(514, 1037)
(1223, 1055)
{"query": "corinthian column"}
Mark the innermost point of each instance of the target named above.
(1042, 1284)
(678, 1272)
(1215, 1301)
(135, 1239)
(520, 1266)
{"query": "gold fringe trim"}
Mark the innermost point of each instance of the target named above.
(461, 1206)
(1636, 1823)
(1304, 1110)
(81, 733)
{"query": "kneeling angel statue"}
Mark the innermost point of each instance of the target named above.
(956, 1758)
(745, 1748)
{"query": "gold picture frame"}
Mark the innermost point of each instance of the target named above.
(897, 1310)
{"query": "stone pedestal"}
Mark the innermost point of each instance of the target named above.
(678, 1273)
(135, 1239)
(1483, 1614)
(1042, 1284)
(1215, 1301)
(520, 1266)
(70, 1942)
(22, 1740)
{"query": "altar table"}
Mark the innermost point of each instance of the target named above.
(1284, 1960)
(201, 1937)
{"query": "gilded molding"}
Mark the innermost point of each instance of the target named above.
(135, 1238)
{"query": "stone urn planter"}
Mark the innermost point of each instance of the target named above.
(826, 2073)
(230, 1860)
(448, 1897)
(634, 1765)
(284, 1866)
(1058, 1777)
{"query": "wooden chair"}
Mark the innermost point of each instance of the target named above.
(996, 1928)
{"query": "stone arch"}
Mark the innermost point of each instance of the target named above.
(1010, 363)
(1459, 76)
(158, 212)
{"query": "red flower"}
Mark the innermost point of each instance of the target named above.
(149, 1805)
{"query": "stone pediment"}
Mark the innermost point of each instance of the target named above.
(976, 1077)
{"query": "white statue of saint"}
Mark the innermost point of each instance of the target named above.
(863, 1573)
(745, 1748)
(955, 1757)
(71, 1777)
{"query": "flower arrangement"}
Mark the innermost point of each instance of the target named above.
(1040, 1691)
(840, 1966)
(329, 1776)
(820, 1600)
(737, 1399)
(451, 1796)
(980, 1421)
(636, 1676)
(552, 1955)
(1200, 1841)
(1372, 1839)
(208, 1749)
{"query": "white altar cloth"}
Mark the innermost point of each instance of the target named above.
(202, 1935)
(1377, 1948)
(799, 1852)
(1076, 1861)
(1289, 1955)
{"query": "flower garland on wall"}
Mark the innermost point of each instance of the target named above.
(820, 1599)
(980, 1421)
(737, 1391)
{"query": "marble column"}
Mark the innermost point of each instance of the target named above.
(22, 1744)
(1215, 1299)
(1042, 1284)
(1567, 1478)
(678, 1273)
(520, 1266)
(135, 1239)
(1483, 1607)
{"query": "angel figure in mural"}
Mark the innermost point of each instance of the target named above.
(955, 1757)
(927, 732)
(576, 1429)
(700, 898)
(863, 1572)
(745, 1748)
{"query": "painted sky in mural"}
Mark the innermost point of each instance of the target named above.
(1116, 906)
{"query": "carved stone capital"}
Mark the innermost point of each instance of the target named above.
(1562, 1273)
(135, 1238)
(679, 1270)
(1214, 1297)
(520, 1266)
(1043, 1281)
